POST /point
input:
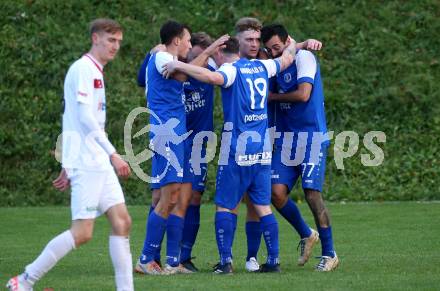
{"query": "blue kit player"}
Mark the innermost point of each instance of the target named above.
(248, 32)
(198, 102)
(245, 157)
(300, 117)
(166, 99)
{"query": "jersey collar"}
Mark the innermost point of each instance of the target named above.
(95, 62)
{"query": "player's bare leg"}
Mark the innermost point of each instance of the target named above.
(79, 233)
(288, 209)
(169, 194)
(329, 260)
(119, 246)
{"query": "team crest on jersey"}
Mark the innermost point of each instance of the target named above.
(287, 77)
(195, 96)
(97, 84)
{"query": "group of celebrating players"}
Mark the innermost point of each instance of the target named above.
(273, 107)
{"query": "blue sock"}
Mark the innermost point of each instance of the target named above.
(223, 235)
(269, 225)
(190, 230)
(157, 255)
(253, 235)
(156, 227)
(325, 235)
(174, 238)
(291, 213)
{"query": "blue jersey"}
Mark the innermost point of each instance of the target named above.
(142, 71)
(271, 106)
(301, 116)
(244, 98)
(165, 96)
(199, 101)
(199, 105)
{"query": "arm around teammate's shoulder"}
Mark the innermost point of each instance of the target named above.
(163, 58)
(198, 73)
(288, 55)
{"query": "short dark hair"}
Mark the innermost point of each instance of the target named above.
(201, 39)
(231, 46)
(267, 32)
(247, 23)
(104, 25)
(172, 29)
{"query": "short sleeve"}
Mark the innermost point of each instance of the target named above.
(83, 82)
(212, 66)
(306, 66)
(163, 58)
(272, 66)
(229, 73)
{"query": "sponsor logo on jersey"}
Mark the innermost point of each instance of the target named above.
(254, 117)
(195, 102)
(264, 158)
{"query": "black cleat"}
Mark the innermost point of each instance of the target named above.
(189, 265)
(225, 269)
(265, 268)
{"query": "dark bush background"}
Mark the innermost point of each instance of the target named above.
(380, 65)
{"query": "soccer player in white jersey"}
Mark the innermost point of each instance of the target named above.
(89, 163)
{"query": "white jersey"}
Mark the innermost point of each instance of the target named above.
(84, 83)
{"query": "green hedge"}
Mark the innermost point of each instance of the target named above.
(380, 66)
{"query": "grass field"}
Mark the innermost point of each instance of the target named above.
(382, 246)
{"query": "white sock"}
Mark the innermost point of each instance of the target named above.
(54, 251)
(122, 262)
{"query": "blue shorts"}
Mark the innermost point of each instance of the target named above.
(311, 168)
(168, 163)
(197, 181)
(234, 180)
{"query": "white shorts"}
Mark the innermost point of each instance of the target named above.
(93, 193)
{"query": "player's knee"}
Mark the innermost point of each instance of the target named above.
(279, 199)
(252, 214)
(155, 197)
(262, 210)
(122, 225)
(312, 196)
(82, 237)
(196, 198)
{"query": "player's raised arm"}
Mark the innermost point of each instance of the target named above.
(201, 59)
(288, 55)
(226, 54)
(199, 73)
(310, 44)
